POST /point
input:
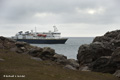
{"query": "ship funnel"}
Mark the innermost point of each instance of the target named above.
(55, 29)
(20, 32)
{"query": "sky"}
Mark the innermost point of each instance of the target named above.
(73, 18)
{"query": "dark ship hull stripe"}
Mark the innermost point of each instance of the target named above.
(44, 41)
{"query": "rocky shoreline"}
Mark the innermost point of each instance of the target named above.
(38, 53)
(102, 55)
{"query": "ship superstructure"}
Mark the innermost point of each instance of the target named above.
(37, 37)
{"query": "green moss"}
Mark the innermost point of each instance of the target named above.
(22, 64)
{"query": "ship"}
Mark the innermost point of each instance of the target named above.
(50, 37)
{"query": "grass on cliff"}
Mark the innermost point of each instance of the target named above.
(22, 64)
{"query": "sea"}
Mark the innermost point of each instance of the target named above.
(70, 48)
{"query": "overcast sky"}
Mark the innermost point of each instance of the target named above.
(75, 18)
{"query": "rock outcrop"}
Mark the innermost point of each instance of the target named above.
(6, 43)
(117, 73)
(37, 53)
(103, 54)
(91, 52)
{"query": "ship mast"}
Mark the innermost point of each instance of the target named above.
(55, 29)
(35, 29)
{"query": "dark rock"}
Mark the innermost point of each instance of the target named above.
(21, 50)
(1, 45)
(2, 59)
(117, 73)
(84, 68)
(111, 38)
(59, 58)
(115, 44)
(102, 39)
(69, 67)
(89, 53)
(48, 50)
(107, 64)
(23, 47)
(36, 58)
(108, 36)
(73, 63)
(116, 55)
(100, 65)
(6, 43)
(35, 52)
(113, 34)
(113, 64)
(103, 54)
(47, 53)
(21, 44)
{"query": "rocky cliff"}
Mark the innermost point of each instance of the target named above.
(102, 55)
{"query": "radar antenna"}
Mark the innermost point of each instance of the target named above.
(55, 29)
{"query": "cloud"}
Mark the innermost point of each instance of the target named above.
(16, 11)
(48, 12)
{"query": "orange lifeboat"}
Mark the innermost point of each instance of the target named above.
(41, 35)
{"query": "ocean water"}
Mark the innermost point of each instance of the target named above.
(70, 48)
